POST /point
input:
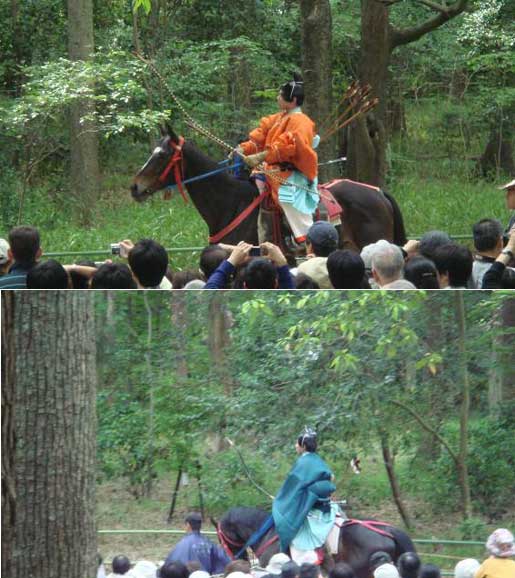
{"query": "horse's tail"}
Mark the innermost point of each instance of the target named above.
(403, 542)
(399, 232)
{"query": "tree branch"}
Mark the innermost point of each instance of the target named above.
(428, 428)
(407, 35)
(434, 6)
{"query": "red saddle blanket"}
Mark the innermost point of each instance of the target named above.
(330, 205)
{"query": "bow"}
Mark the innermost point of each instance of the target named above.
(247, 471)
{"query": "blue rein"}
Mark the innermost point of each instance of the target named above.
(224, 166)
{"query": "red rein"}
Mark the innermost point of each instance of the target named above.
(174, 163)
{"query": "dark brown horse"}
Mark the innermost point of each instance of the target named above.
(356, 544)
(369, 214)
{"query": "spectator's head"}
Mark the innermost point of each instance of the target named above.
(260, 273)
(81, 281)
(121, 565)
(408, 565)
(466, 568)
(430, 571)
(24, 245)
(342, 570)
(387, 263)
(113, 276)
(291, 570)
(237, 566)
(346, 270)
(174, 570)
(378, 559)
(181, 278)
(501, 543)
(210, 259)
(322, 239)
(303, 281)
(488, 236)
(430, 241)
(5, 261)
(510, 194)
(276, 563)
(386, 571)
(454, 263)
(193, 566)
(421, 272)
(508, 278)
(48, 275)
(308, 570)
(144, 569)
(194, 521)
(148, 261)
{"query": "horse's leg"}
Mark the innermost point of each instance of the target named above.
(348, 240)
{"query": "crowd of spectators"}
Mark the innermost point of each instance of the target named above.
(195, 556)
(433, 262)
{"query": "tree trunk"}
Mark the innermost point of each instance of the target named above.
(317, 70)
(388, 460)
(219, 323)
(366, 160)
(508, 346)
(8, 435)
(498, 155)
(465, 404)
(53, 341)
(84, 176)
(150, 377)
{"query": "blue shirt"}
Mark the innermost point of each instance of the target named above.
(16, 278)
(219, 278)
(195, 547)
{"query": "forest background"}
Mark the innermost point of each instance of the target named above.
(79, 114)
(420, 387)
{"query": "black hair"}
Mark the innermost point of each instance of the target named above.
(237, 566)
(174, 570)
(121, 564)
(113, 276)
(148, 260)
(309, 571)
(429, 571)
(47, 275)
(182, 278)
(322, 250)
(303, 281)
(421, 272)
(294, 88)
(508, 278)
(290, 570)
(210, 259)
(309, 443)
(346, 269)
(260, 274)
(408, 565)
(430, 241)
(378, 559)
(24, 243)
(455, 261)
(194, 519)
(486, 234)
(342, 570)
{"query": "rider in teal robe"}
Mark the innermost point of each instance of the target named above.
(306, 488)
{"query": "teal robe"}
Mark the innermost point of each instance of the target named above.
(307, 484)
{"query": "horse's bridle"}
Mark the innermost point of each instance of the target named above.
(174, 163)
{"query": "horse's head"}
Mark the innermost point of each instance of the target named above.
(158, 171)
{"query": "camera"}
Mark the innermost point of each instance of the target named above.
(115, 248)
(255, 252)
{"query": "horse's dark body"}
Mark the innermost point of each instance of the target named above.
(369, 214)
(356, 542)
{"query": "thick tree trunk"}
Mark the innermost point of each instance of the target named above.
(498, 155)
(84, 175)
(8, 433)
(366, 160)
(317, 70)
(465, 404)
(55, 384)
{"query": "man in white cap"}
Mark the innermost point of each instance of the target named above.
(510, 202)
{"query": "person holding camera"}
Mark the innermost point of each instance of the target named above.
(269, 270)
(148, 261)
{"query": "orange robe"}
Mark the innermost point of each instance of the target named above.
(288, 138)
